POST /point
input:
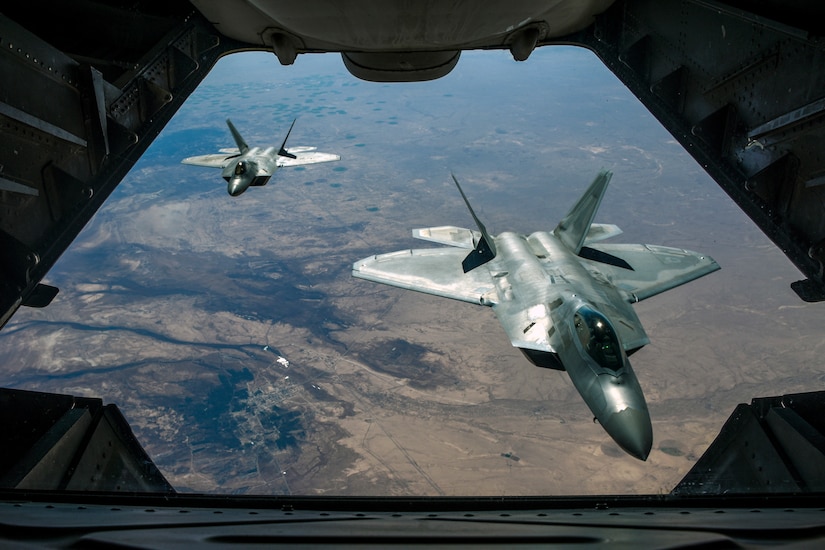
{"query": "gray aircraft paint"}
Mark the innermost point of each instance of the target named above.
(247, 166)
(563, 298)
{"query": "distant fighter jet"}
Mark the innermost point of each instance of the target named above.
(253, 166)
(563, 300)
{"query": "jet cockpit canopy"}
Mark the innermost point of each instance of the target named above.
(598, 338)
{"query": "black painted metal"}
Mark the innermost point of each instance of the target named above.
(85, 130)
(772, 445)
(743, 94)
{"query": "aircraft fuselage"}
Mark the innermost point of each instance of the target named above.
(541, 297)
(564, 298)
(251, 169)
(245, 166)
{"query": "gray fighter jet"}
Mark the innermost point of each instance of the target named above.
(564, 298)
(246, 166)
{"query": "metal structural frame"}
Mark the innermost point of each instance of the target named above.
(745, 96)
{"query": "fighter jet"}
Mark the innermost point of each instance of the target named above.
(563, 297)
(246, 166)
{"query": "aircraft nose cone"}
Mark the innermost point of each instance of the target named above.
(235, 187)
(632, 430)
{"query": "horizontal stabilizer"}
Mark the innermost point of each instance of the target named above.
(435, 271)
(575, 226)
(601, 231)
(449, 235)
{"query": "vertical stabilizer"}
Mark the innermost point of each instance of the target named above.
(242, 146)
(573, 228)
(282, 152)
(485, 249)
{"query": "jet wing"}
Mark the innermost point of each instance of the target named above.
(214, 160)
(435, 271)
(304, 156)
(449, 235)
(643, 270)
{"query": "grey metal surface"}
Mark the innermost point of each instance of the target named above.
(562, 310)
(247, 166)
(231, 522)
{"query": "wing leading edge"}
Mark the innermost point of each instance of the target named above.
(435, 271)
(653, 269)
(306, 155)
(303, 156)
(214, 160)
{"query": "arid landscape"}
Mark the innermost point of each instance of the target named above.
(247, 359)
